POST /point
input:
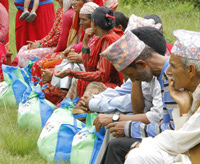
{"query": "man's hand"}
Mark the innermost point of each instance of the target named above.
(182, 98)
(116, 128)
(84, 102)
(63, 73)
(102, 120)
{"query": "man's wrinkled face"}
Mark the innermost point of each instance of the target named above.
(138, 74)
(177, 73)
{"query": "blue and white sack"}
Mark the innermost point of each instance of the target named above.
(54, 143)
(34, 110)
(15, 84)
(87, 143)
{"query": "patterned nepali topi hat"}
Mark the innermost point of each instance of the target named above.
(187, 45)
(135, 22)
(124, 51)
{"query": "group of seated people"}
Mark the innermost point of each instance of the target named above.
(144, 89)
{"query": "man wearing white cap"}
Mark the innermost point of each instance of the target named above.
(179, 145)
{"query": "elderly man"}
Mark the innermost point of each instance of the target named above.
(146, 96)
(120, 97)
(184, 72)
(139, 62)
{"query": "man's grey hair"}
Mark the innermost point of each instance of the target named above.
(186, 62)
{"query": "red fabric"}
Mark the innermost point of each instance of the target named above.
(103, 71)
(76, 21)
(169, 47)
(81, 86)
(98, 2)
(66, 25)
(52, 38)
(51, 64)
(15, 62)
(36, 68)
(77, 47)
(75, 27)
(37, 29)
(5, 3)
(110, 38)
(3, 59)
(54, 94)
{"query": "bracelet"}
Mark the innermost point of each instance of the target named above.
(85, 50)
(39, 45)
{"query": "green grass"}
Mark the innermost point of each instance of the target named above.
(173, 14)
(18, 146)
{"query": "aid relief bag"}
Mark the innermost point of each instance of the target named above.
(6, 94)
(34, 110)
(54, 143)
(87, 143)
(17, 82)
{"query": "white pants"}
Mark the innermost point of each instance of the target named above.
(149, 153)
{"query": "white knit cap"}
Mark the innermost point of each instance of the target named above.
(88, 8)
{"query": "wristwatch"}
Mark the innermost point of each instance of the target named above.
(115, 116)
(134, 144)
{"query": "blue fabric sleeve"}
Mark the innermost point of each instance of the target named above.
(108, 105)
(141, 130)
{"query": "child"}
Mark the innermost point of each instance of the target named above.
(26, 15)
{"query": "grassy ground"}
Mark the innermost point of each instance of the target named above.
(18, 146)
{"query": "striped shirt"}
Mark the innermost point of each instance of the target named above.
(139, 129)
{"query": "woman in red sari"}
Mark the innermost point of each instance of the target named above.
(37, 29)
(55, 94)
(97, 68)
(72, 38)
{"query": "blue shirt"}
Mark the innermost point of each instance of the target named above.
(139, 129)
(120, 99)
(112, 99)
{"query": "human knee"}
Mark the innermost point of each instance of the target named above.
(134, 158)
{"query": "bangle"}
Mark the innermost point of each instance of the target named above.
(85, 50)
(39, 45)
